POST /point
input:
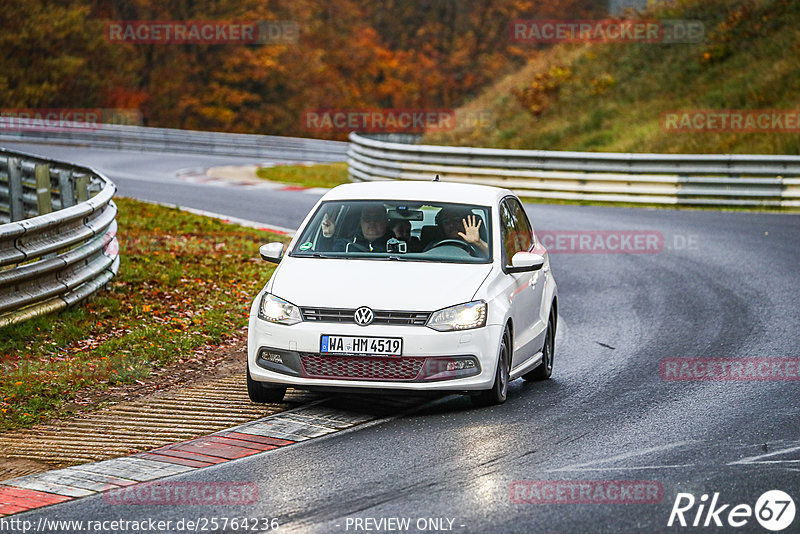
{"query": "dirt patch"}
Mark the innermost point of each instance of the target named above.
(16, 467)
(194, 396)
(221, 361)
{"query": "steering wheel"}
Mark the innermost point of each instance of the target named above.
(469, 247)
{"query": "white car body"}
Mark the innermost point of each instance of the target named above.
(521, 301)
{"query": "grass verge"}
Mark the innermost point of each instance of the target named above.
(611, 97)
(323, 175)
(185, 282)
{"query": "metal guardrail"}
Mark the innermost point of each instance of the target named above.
(123, 137)
(58, 242)
(668, 179)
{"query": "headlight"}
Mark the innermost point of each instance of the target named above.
(277, 310)
(461, 317)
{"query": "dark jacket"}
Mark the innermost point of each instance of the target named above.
(358, 243)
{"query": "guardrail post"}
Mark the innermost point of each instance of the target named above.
(44, 200)
(82, 188)
(16, 206)
(66, 188)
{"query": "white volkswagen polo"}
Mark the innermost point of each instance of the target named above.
(416, 286)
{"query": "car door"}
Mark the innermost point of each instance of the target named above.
(526, 289)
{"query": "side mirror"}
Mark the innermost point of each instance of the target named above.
(525, 262)
(271, 252)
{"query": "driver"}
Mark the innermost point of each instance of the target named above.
(461, 223)
(371, 236)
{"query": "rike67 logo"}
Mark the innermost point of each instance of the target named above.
(774, 510)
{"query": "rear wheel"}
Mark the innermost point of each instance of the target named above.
(545, 369)
(260, 393)
(499, 391)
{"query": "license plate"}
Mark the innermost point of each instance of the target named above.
(362, 346)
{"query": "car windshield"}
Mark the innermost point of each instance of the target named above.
(391, 230)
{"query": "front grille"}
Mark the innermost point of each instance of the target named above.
(382, 317)
(327, 315)
(401, 318)
(358, 368)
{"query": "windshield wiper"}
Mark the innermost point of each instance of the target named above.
(319, 255)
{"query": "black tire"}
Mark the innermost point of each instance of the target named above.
(260, 393)
(545, 370)
(499, 392)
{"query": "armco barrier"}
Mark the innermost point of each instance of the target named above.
(123, 137)
(668, 179)
(58, 242)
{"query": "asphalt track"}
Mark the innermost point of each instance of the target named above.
(724, 285)
(156, 176)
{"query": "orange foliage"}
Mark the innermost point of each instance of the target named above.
(349, 54)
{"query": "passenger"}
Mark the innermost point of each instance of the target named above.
(402, 230)
(461, 223)
(371, 236)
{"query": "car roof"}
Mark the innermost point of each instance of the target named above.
(418, 190)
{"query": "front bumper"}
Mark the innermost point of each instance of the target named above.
(422, 367)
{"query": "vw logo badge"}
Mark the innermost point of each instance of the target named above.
(363, 316)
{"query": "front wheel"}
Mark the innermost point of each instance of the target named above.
(260, 393)
(545, 369)
(499, 392)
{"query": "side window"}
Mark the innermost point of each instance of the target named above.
(516, 230)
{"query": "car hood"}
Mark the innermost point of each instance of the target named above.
(381, 285)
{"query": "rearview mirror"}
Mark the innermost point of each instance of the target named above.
(271, 252)
(405, 214)
(525, 262)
